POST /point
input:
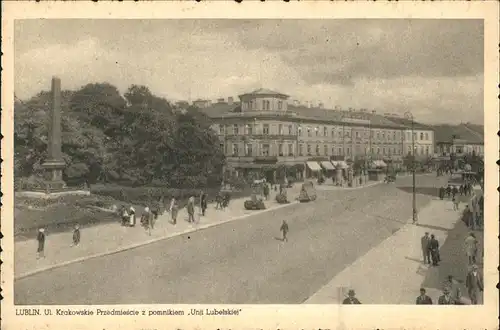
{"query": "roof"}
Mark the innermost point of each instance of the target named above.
(264, 91)
(407, 122)
(445, 133)
(304, 113)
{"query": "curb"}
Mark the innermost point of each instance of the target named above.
(347, 188)
(151, 241)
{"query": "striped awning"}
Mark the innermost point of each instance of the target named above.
(313, 166)
(327, 165)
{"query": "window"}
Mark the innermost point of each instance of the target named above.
(268, 105)
(290, 149)
(265, 129)
(333, 133)
(249, 150)
(299, 131)
(280, 105)
(249, 129)
(235, 149)
(333, 151)
(309, 150)
(316, 129)
(427, 149)
(394, 136)
(340, 134)
(265, 150)
(415, 136)
(383, 151)
(325, 131)
(325, 149)
(378, 135)
(222, 129)
(221, 145)
(357, 135)
(373, 150)
(409, 150)
(280, 129)
(280, 149)
(226, 149)
(408, 137)
(290, 130)
(427, 136)
(421, 136)
(317, 149)
(301, 150)
(421, 150)
(378, 151)
(308, 131)
(348, 151)
(236, 129)
(383, 135)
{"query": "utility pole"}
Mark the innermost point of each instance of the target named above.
(414, 200)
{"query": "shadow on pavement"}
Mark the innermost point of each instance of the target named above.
(453, 259)
(430, 191)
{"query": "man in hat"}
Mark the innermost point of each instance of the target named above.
(425, 242)
(474, 284)
(434, 249)
(351, 299)
(446, 298)
(471, 248)
(41, 243)
(284, 230)
(423, 299)
(455, 292)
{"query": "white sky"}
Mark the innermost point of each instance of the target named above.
(433, 68)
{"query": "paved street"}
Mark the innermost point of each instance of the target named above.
(242, 261)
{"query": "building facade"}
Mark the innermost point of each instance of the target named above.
(421, 138)
(459, 140)
(265, 131)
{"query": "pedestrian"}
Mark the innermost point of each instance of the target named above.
(461, 190)
(174, 209)
(284, 230)
(132, 217)
(446, 298)
(468, 216)
(351, 299)
(266, 191)
(76, 235)
(474, 284)
(471, 248)
(203, 203)
(441, 193)
(423, 299)
(190, 209)
(454, 191)
(125, 216)
(455, 292)
(425, 242)
(41, 243)
(448, 191)
(455, 203)
(434, 248)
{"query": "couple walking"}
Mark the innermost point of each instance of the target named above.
(430, 249)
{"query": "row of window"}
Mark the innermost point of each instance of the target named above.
(250, 129)
(260, 105)
(306, 150)
(423, 136)
(421, 150)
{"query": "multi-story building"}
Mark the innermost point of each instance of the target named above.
(459, 140)
(422, 139)
(263, 131)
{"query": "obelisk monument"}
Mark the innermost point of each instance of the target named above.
(54, 164)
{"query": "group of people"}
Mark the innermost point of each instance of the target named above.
(452, 293)
(40, 237)
(430, 249)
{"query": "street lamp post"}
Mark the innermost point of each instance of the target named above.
(414, 200)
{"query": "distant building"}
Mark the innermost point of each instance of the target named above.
(182, 104)
(423, 137)
(202, 103)
(460, 139)
(265, 131)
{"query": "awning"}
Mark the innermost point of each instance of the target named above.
(340, 164)
(313, 166)
(327, 165)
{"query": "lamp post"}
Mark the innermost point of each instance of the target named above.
(409, 115)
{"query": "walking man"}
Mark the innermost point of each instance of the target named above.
(204, 203)
(455, 292)
(76, 235)
(284, 230)
(434, 247)
(471, 248)
(190, 209)
(446, 298)
(425, 242)
(174, 208)
(474, 284)
(41, 243)
(423, 299)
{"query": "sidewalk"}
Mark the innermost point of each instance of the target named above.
(392, 272)
(112, 237)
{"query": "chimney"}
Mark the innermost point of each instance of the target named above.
(230, 100)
